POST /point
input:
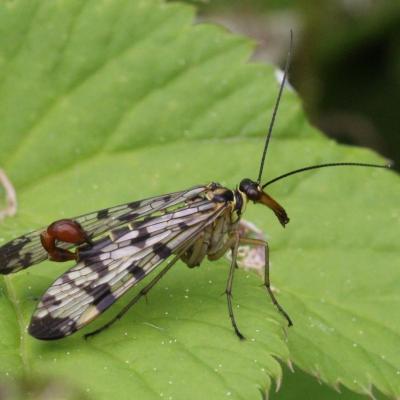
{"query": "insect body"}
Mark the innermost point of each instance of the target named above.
(116, 248)
(187, 225)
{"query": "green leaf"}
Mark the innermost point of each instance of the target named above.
(106, 102)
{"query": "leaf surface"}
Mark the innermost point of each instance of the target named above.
(106, 102)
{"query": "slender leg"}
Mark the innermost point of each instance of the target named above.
(142, 293)
(267, 283)
(234, 244)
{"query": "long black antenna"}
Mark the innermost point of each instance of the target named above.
(341, 164)
(278, 99)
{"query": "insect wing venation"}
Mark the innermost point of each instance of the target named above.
(27, 250)
(115, 264)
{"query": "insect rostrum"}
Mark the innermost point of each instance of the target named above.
(115, 248)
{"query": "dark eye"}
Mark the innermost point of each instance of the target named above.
(250, 188)
(245, 185)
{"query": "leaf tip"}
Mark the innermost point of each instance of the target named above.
(278, 383)
(336, 385)
(290, 365)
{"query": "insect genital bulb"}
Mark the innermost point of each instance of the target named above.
(116, 248)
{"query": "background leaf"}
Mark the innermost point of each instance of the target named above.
(299, 385)
(108, 102)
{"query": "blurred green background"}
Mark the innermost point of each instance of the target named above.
(346, 63)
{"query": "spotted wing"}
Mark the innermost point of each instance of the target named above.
(115, 264)
(27, 250)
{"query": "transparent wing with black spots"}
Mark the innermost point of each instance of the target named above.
(115, 264)
(27, 250)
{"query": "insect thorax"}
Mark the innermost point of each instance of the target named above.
(214, 239)
(236, 199)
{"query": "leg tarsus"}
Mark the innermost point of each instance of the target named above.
(278, 306)
(231, 315)
(267, 283)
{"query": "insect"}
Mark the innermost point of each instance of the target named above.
(116, 248)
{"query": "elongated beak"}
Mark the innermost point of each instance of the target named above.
(278, 210)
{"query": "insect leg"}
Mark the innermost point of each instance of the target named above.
(234, 244)
(143, 292)
(267, 283)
